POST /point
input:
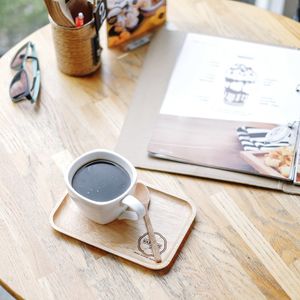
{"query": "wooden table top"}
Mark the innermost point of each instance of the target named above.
(245, 243)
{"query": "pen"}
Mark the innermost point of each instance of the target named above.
(79, 20)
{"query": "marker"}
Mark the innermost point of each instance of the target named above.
(79, 20)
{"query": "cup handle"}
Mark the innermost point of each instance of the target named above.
(137, 207)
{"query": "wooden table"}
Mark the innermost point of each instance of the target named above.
(242, 246)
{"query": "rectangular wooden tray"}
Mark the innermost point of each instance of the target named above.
(171, 218)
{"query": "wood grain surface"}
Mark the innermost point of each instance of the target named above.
(172, 218)
(202, 141)
(245, 243)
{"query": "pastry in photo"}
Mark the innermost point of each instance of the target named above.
(281, 160)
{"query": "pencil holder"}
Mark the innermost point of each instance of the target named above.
(77, 49)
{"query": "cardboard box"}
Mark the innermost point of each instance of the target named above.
(131, 20)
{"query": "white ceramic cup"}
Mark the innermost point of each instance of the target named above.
(107, 211)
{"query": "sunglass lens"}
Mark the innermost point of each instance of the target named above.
(17, 60)
(19, 86)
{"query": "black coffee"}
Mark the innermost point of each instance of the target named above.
(101, 180)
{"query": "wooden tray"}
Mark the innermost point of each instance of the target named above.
(256, 160)
(171, 218)
(7, 293)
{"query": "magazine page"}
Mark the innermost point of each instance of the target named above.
(232, 105)
(296, 180)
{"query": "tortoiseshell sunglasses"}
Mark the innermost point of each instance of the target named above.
(26, 83)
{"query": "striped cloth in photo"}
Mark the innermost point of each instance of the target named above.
(253, 139)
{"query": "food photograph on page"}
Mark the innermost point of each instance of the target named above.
(128, 20)
(228, 105)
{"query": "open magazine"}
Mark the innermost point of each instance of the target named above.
(232, 105)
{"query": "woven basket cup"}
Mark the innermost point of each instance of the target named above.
(75, 53)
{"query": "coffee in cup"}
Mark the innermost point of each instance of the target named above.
(101, 183)
(101, 180)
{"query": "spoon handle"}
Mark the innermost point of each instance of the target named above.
(152, 238)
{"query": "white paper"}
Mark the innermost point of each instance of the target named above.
(225, 79)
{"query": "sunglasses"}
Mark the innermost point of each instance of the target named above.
(26, 82)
